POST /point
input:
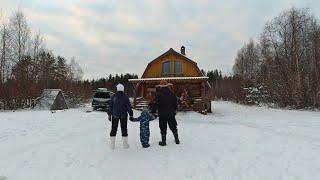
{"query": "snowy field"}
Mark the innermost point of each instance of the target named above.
(235, 142)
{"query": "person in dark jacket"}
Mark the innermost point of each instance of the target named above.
(167, 107)
(119, 109)
(144, 120)
(153, 106)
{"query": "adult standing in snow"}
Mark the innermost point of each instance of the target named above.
(167, 107)
(119, 109)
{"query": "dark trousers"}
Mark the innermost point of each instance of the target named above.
(170, 120)
(123, 124)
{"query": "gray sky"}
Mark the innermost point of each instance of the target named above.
(117, 36)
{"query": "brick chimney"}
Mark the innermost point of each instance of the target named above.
(183, 50)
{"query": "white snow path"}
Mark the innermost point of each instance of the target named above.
(235, 142)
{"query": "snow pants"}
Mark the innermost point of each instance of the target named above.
(114, 126)
(170, 120)
(144, 135)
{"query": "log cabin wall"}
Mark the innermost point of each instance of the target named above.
(148, 90)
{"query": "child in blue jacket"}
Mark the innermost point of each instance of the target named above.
(144, 120)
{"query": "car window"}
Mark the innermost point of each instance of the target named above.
(101, 95)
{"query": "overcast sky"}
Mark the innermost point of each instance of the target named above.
(117, 36)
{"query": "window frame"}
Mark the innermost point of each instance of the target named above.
(181, 67)
(169, 67)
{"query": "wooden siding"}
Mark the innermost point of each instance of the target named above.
(189, 68)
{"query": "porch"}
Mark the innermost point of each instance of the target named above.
(196, 88)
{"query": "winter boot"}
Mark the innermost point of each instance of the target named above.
(163, 141)
(176, 137)
(146, 145)
(112, 142)
(125, 142)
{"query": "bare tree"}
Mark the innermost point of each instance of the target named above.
(20, 34)
(26, 67)
(5, 50)
(247, 62)
(290, 52)
(287, 59)
(1, 53)
(37, 47)
(75, 71)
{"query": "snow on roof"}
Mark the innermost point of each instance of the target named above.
(102, 90)
(51, 92)
(47, 98)
(170, 78)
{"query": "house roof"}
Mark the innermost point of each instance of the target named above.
(52, 93)
(48, 97)
(169, 78)
(172, 79)
(170, 51)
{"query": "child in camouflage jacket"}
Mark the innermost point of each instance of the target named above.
(144, 120)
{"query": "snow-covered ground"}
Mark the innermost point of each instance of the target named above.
(235, 142)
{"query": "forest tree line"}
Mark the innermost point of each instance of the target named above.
(27, 67)
(225, 87)
(111, 81)
(283, 67)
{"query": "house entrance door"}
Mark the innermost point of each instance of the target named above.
(151, 93)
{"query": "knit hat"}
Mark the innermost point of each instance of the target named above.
(164, 83)
(120, 87)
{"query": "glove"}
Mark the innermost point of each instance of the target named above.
(131, 118)
(109, 117)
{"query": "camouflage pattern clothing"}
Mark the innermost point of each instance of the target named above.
(144, 120)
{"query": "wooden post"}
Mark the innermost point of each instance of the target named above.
(135, 89)
(142, 90)
(203, 97)
(134, 95)
(202, 88)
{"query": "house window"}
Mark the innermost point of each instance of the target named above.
(177, 67)
(166, 67)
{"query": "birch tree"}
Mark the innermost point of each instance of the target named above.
(20, 34)
(5, 50)
(247, 62)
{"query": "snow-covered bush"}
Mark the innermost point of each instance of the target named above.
(256, 95)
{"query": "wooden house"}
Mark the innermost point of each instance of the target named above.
(179, 70)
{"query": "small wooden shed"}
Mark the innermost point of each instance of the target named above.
(52, 99)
